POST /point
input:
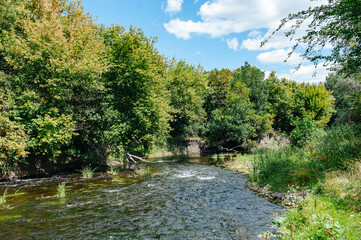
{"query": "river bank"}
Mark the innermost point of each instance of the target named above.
(42, 167)
(326, 207)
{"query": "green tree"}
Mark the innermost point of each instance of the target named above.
(137, 97)
(13, 139)
(235, 124)
(253, 78)
(337, 23)
(346, 90)
(187, 85)
(55, 58)
(289, 100)
(219, 83)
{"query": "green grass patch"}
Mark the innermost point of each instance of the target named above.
(3, 197)
(320, 217)
(332, 150)
(113, 170)
(61, 190)
(142, 171)
(88, 172)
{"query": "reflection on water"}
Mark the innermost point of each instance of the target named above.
(180, 199)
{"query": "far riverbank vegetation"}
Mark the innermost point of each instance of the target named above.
(74, 91)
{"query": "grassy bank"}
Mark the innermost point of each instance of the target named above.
(328, 166)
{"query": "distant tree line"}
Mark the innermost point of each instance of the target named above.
(70, 89)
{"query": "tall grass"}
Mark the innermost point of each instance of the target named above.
(88, 172)
(3, 197)
(61, 190)
(113, 170)
(334, 149)
(142, 171)
(319, 217)
(345, 185)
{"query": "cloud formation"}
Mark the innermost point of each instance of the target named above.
(174, 6)
(232, 43)
(308, 74)
(279, 56)
(222, 17)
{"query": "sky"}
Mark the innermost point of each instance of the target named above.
(215, 33)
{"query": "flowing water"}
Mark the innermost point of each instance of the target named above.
(180, 199)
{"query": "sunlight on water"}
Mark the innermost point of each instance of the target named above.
(178, 200)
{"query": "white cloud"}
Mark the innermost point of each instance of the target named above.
(278, 56)
(221, 17)
(174, 5)
(307, 74)
(232, 43)
(278, 40)
(255, 34)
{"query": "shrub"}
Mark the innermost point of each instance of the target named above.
(303, 131)
(320, 218)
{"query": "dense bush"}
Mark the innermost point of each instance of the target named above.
(334, 149)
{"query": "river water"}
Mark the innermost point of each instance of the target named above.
(180, 199)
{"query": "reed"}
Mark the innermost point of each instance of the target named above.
(3, 197)
(88, 172)
(61, 190)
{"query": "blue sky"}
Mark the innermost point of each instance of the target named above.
(216, 34)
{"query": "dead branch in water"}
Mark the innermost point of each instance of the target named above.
(134, 158)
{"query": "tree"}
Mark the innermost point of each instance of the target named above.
(55, 58)
(345, 90)
(234, 124)
(253, 78)
(219, 83)
(187, 85)
(137, 99)
(337, 23)
(13, 139)
(290, 101)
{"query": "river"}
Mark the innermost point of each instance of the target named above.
(181, 198)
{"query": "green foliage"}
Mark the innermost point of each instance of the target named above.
(137, 95)
(54, 58)
(51, 132)
(289, 100)
(13, 143)
(61, 190)
(88, 172)
(337, 23)
(219, 83)
(141, 171)
(339, 147)
(3, 197)
(345, 185)
(234, 123)
(334, 149)
(303, 130)
(113, 170)
(187, 86)
(319, 217)
(253, 78)
(346, 91)
(231, 126)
